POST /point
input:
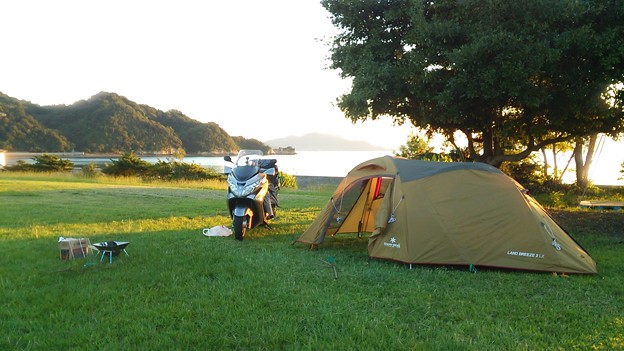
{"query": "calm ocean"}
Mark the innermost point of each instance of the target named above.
(605, 169)
(304, 163)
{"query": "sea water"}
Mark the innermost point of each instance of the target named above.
(605, 168)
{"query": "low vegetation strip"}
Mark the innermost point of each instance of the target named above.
(179, 290)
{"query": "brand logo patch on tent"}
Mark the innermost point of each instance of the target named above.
(525, 254)
(393, 243)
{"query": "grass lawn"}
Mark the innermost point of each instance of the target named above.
(179, 290)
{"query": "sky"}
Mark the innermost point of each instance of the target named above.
(259, 69)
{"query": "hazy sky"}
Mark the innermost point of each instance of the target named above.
(257, 68)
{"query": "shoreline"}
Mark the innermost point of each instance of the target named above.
(307, 182)
(308, 172)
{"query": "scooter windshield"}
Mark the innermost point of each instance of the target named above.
(245, 172)
(245, 155)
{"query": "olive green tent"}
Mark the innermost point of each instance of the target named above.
(447, 214)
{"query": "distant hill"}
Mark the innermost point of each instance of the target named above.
(109, 123)
(21, 131)
(322, 142)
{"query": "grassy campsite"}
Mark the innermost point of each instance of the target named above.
(180, 290)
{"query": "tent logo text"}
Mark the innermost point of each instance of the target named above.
(525, 254)
(393, 243)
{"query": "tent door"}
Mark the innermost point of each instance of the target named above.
(355, 209)
(374, 196)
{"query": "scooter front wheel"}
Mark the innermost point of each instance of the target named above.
(240, 227)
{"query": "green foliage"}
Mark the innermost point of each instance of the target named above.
(197, 137)
(622, 171)
(415, 147)
(106, 123)
(418, 149)
(109, 123)
(251, 144)
(89, 170)
(563, 196)
(20, 131)
(512, 76)
(129, 165)
(19, 166)
(526, 172)
(42, 163)
(530, 174)
(556, 200)
(207, 137)
(287, 180)
(192, 171)
(52, 163)
(161, 169)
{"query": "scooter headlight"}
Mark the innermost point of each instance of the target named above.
(233, 184)
(244, 189)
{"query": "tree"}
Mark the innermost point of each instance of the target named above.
(43, 163)
(417, 148)
(512, 76)
(52, 163)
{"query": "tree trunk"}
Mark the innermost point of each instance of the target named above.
(545, 170)
(560, 179)
(582, 166)
(555, 165)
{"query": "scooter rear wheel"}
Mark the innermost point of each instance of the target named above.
(240, 227)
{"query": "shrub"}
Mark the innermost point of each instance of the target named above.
(130, 165)
(287, 180)
(43, 163)
(127, 166)
(89, 170)
(192, 171)
(526, 172)
(161, 170)
(19, 166)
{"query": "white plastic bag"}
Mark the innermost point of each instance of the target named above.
(219, 230)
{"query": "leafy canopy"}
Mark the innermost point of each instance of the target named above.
(511, 76)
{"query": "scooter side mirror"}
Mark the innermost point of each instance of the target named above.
(227, 158)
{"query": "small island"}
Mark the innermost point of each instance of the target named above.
(288, 150)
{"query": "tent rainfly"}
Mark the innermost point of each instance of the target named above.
(421, 212)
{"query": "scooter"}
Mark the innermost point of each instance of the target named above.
(253, 185)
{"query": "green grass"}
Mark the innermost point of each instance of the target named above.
(179, 290)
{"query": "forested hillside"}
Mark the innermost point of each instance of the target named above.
(108, 123)
(22, 132)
